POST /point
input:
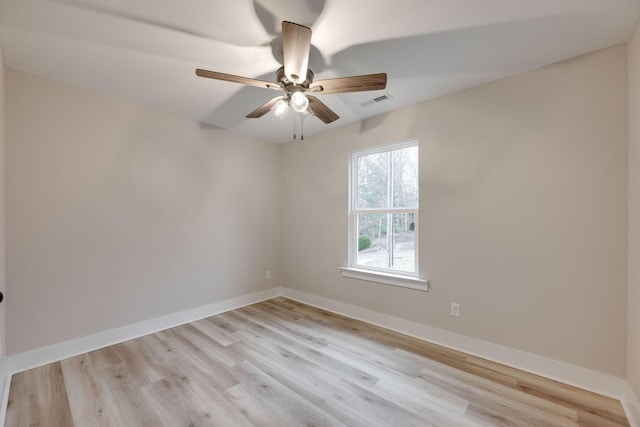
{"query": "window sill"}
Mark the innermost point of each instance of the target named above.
(386, 278)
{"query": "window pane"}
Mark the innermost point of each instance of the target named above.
(372, 240)
(404, 242)
(373, 180)
(405, 177)
(386, 241)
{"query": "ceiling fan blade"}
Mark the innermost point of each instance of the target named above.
(350, 84)
(264, 108)
(321, 111)
(296, 43)
(237, 79)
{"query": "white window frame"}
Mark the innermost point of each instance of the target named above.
(377, 274)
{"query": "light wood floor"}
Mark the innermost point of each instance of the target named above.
(282, 363)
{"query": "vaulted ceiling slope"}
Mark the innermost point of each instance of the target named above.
(146, 52)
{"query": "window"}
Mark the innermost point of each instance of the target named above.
(384, 212)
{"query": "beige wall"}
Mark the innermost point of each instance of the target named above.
(633, 301)
(117, 213)
(3, 275)
(523, 211)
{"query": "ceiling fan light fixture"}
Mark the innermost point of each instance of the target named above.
(299, 102)
(281, 108)
(295, 78)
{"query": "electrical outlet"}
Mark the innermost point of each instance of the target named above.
(267, 274)
(455, 309)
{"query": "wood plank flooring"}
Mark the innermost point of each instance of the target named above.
(283, 363)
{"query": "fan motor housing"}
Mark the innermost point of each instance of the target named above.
(282, 79)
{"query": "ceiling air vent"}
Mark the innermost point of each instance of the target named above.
(377, 99)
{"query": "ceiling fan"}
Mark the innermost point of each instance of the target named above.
(295, 79)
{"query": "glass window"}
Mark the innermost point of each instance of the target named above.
(384, 209)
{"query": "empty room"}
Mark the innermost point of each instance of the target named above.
(319, 213)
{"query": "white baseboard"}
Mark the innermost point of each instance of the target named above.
(5, 383)
(56, 352)
(631, 405)
(586, 379)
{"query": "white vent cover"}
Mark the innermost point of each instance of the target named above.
(381, 98)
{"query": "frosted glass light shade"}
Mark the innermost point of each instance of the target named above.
(281, 108)
(299, 102)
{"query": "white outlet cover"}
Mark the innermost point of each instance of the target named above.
(455, 309)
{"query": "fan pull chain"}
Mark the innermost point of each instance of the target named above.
(301, 127)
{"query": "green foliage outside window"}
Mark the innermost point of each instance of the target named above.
(363, 243)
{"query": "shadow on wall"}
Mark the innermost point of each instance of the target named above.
(372, 123)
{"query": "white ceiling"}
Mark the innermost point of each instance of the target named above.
(146, 52)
